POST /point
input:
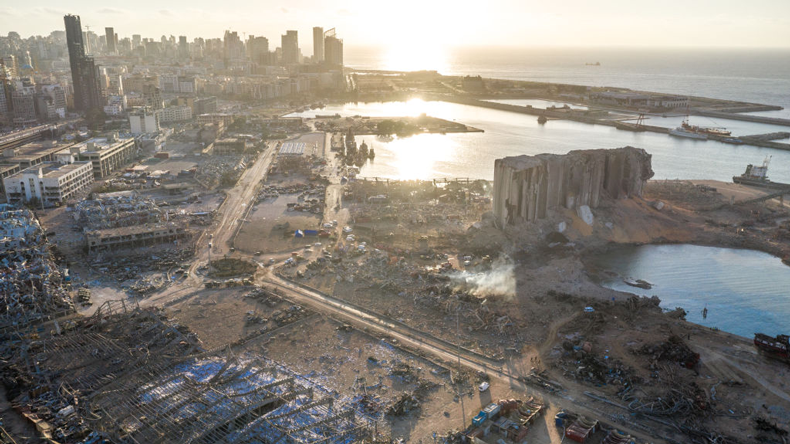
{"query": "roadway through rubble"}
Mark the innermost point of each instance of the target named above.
(440, 349)
(234, 209)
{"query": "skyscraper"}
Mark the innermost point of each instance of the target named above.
(290, 47)
(110, 33)
(234, 48)
(318, 44)
(87, 92)
(333, 49)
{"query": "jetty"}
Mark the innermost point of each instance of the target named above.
(602, 117)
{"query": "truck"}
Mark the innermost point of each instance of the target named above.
(489, 412)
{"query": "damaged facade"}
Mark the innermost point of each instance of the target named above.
(527, 187)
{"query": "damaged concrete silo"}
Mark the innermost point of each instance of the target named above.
(526, 187)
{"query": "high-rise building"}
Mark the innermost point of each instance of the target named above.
(318, 44)
(333, 49)
(290, 47)
(183, 46)
(136, 41)
(234, 48)
(258, 49)
(111, 39)
(87, 91)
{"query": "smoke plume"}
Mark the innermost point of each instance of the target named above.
(500, 280)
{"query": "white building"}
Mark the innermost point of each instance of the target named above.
(107, 154)
(50, 182)
(144, 120)
(113, 109)
(175, 114)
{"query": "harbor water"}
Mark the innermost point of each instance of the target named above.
(428, 156)
(745, 291)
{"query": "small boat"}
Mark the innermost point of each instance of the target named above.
(777, 347)
(639, 283)
(733, 141)
(682, 132)
(542, 119)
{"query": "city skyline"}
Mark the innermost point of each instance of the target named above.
(504, 23)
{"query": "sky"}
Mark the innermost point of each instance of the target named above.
(431, 23)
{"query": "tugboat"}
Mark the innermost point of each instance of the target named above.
(757, 176)
(775, 347)
(542, 119)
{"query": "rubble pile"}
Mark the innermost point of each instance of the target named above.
(310, 199)
(417, 202)
(222, 170)
(114, 210)
(90, 353)
(32, 286)
(674, 350)
(227, 267)
(132, 375)
(147, 272)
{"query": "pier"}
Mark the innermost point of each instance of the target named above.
(743, 117)
(596, 118)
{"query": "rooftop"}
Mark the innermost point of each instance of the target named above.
(34, 150)
(52, 170)
(99, 144)
(295, 149)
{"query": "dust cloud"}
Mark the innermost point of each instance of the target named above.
(500, 280)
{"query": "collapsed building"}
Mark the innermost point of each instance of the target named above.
(32, 286)
(127, 375)
(526, 188)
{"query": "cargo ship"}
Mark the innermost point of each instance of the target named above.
(712, 131)
(776, 347)
(757, 176)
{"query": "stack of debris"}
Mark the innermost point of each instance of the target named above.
(674, 350)
(32, 286)
(114, 210)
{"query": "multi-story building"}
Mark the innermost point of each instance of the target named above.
(318, 44)
(226, 119)
(111, 39)
(144, 120)
(107, 154)
(290, 47)
(33, 153)
(186, 85)
(233, 49)
(168, 83)
(205, 105)
(153, 96)
(9, 63)
(176, 114)
(333, 50)
(49, 182)
(58, 96)
(24, 105)
(85, 78)
(224, 147)
(258, 50)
